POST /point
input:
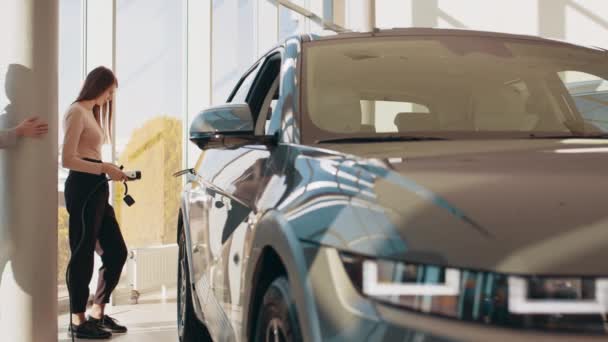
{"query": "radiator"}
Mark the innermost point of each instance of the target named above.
(152, 268)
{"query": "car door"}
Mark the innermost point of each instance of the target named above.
(202, 197)
(243, 182)
(234, 178)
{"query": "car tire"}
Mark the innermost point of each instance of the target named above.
(278, 319)
(189, 328)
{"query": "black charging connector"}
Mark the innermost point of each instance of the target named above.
(131, 175)
(127, 198)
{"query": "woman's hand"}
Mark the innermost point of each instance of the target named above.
(32, 128)
(114, 172)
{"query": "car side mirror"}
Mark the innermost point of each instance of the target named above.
(225, 126)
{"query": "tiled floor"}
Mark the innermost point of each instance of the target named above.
(153, 319)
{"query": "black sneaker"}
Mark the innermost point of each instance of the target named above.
(88, 330)
(108, 323)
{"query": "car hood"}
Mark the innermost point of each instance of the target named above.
(513, 206)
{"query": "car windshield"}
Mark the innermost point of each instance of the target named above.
(452, 87)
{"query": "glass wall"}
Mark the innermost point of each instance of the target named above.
(198, 74)
(149, 115)
(393, 13)
(98, 29)
(267, 26)
(98, 46)
(233, 44)
(290, 22)
(172, 58)
(70, 71)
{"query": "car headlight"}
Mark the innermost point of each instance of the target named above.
(553, 303)
(425, 288)
(558, 295)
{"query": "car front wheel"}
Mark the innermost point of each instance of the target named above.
(278, 319)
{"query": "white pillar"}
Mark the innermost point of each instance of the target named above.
(28, 172)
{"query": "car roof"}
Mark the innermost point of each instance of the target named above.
(436, 32)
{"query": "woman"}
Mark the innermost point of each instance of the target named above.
(92, 223)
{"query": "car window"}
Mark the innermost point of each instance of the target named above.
(268, 106)
(273, 105)
(590, 94)
(263, 91)
(503, 106)
(240, 94)
(394, 115)
(448, 87)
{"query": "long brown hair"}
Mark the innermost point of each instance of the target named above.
(96, 83)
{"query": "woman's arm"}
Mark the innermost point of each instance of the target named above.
(8, 137)
(74, 125)
(31, 128)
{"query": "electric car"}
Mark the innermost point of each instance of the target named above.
(401, 185)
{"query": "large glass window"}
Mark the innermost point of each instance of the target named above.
(98, 47)
(149, 112)
(199, 67)
(143, 41)
(267, 26)
(70, 78)
(233, 45)
(290, 22)
(393, 13)
(98, 26)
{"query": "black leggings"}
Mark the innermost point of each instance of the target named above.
(102, 234)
